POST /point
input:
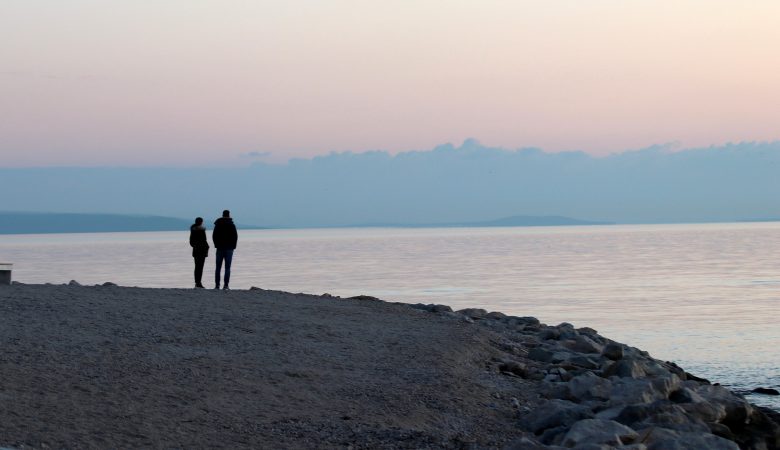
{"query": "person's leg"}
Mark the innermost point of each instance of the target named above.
(228, 255)
(199, 262)
(219, 257)
(198, 269)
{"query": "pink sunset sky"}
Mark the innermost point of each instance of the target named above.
(198, 82)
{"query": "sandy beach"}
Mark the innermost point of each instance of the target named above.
(117, 367)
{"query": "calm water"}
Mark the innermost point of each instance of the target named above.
(705, 296)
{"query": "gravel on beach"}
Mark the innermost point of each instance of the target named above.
(118, 367)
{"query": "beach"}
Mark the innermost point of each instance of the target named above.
(118, 367)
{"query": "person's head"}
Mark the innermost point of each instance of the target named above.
(199, 221)
(226, 213)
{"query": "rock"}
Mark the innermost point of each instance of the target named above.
(765, 391)
(441, 308)
(458, 317)
(627, 391)
(364, 297)
(529, 329)
(587, 330)
(540, 354)
(108, 283)
(549, 333)
(555, 413)
(637, 413)
(255, 288)
(737, 409)
(611, 413)
(625, 368)
(691, 377)
(566, 330)
(673, 417)
(655, 368)
(598, 431)
(561, 357)
(661, 439)
(584, 362)
(718, 429)
(74, 283)
(707, 412)
(666, 384)
(525, 444)
(557, 374)
(495, 315)
(420, 306)
(565, 326)
(677, 370)
(589, 386)
(514, 367)
(582, 344)
(553, 436)
(473, 313)
(552, 388)
(525, 320)
(613, 351)
(685, 395)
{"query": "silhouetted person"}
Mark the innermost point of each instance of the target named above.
(225, 238)
(200, 249)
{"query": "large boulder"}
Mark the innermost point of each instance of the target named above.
(555, 413)
(738, 410)
(613, 351)
(473, 313)
(590, 387)
(582, 344)
(626, 368)
(664, 439)
(599, 431)
(540, 354)
(627, 391)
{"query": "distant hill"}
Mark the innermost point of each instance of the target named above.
(34, 223)
(534, 221)
(513, 221)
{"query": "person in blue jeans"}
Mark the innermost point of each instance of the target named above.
(225, 238)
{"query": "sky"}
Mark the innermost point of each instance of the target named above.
(229, 82)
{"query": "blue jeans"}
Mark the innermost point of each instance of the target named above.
(225, 254)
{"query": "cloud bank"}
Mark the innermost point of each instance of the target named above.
(449, 183)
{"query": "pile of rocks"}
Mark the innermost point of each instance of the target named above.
(601, 394)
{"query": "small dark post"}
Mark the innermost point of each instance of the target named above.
(5, 273)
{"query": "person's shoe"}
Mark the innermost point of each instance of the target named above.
(226, 288)
(198, 286)
(216, 288)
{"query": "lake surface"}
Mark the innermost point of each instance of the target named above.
(706, 296)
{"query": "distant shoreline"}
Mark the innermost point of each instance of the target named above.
(12, 222)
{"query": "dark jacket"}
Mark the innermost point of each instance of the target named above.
(224, 235)
(198, 241)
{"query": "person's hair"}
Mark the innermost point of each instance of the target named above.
(226, 213)
(198, 220)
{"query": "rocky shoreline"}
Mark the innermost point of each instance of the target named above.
(109, 366)
(602, 394)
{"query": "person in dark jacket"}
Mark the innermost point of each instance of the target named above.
(225, 238)
(200, 249)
